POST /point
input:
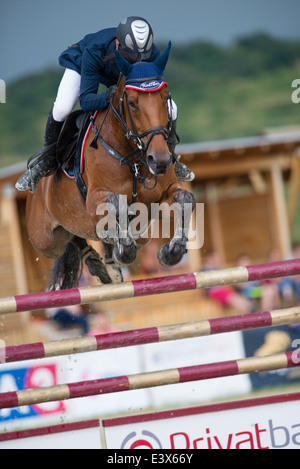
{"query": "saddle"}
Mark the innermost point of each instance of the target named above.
(70, 147)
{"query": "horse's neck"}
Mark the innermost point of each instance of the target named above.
(112, 131)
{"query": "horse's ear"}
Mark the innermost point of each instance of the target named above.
(124, 66)
(161, 62)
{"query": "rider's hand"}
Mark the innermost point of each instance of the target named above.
(110, 93)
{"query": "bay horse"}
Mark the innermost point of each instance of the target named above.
(126, 154)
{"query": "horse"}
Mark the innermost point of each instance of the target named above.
(127, 158)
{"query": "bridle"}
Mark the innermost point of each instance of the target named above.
(137, 138)
(135, 159)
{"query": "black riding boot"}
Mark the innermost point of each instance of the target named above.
(46, 164)
(182, 172)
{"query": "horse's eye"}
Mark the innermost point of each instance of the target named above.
(131, 103)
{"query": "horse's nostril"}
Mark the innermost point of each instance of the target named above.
(150, 160)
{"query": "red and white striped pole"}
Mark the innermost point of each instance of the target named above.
(146, 380)
(150, 286)
(149, 335)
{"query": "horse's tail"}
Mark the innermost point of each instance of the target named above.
(67, 269)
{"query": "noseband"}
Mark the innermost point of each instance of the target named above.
(135, 159)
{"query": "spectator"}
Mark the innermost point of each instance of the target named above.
(277, 290)
(68, 316)
(225, 295)
(102, 325)
(251, 290)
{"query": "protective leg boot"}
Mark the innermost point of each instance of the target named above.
(182, 172)
(46, 164)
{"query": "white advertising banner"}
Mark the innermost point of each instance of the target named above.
(266, 423)
(120, 362)
(82, 435)
(196, 351)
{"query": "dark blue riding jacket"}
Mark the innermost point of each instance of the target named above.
(85, 57)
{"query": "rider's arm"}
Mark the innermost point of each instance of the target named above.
(89, 98)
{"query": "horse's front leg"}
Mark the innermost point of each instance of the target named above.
(171, 253)
(114, 228)
(125, 250)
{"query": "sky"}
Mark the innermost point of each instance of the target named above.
(33, 33)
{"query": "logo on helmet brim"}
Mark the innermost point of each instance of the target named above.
(147, 86)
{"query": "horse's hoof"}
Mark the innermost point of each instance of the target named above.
(127, 257)
(95, 265)
(115, 273)
(168, 258)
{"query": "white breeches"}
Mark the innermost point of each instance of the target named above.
(68, 94)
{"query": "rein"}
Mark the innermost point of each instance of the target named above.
(135, 159)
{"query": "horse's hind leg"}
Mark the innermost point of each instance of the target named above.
(114, 270)
(67, 269)
(53, 242)
(106, 274)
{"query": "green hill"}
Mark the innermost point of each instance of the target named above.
(221, 92)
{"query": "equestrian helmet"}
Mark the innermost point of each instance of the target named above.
(136, 33)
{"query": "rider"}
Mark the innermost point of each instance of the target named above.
(87, 64)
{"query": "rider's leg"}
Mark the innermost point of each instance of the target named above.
(66, 99)
(67, 95)
(182, 172)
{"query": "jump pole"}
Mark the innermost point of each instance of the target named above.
(150, 335)
(146, 287)
(146, 380)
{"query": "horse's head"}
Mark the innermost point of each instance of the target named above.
(146, 105)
